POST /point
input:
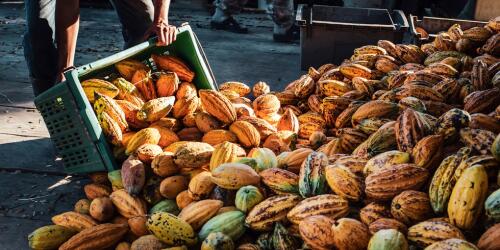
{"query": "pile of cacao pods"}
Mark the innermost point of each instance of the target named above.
(396, 148)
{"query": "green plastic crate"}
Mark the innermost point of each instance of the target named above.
(69, 116)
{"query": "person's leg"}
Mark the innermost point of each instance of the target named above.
(136, 16)
(222, 18)
(39, 48)
(282, 13)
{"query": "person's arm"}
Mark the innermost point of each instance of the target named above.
(67, 23)
(166, 33)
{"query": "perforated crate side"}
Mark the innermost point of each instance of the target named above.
(68, 133)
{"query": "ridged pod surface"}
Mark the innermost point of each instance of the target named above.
(127, 205)
(234, 176)
(144, 136)
(410, 127)
(344, 182)
(271, 210)
(467, 198)
(492, 206)
(374, 211)
(382, 140)
(443, 181)
(167, 84)
(102, 87)
(294, 159)
(478, 139)
(280, 180)
(200, 186)
(174, 64)
(350, 234)
(217, 136)
(451, 244)
(312, 179)
(265, 157)
(495, 148)
(171, 229)
(282, 239)
(127, 67)
(329, 205)
(316, 231)
(288, 121)
(199, 212)
(304, 86)
(387, 183)
(156, 109)
(247, 197)
(74, 221)
(428, 232)
(387, 223)
(217, 240)
(351, 70)
(265, 105)
(49, 237)
(247, 134)
(427, 152)
(489, 239)
(95, 190)
(105, 104)
(218, 106)
(265, 129)
(238, 87)
(147, 242)
(224, 153)
(229, 223)
(98, 237)
(388, 239)
(128, 92)
(384, 160)
(143, 80)
(411, 207)
(449, 124)
(193, 155)
(375, 109)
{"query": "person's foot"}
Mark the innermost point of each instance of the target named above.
(291, 35)
(230, 25)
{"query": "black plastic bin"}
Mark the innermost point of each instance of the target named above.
(329, 34)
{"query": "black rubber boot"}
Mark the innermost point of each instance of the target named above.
(230, 25)
(291, 35)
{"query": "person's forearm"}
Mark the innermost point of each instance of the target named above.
(67, 24)
(161, 11)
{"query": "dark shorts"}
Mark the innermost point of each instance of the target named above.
(40, 51)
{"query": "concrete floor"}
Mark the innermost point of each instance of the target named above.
(33, 184)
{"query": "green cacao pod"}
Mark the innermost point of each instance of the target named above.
(281, 239)
(247, 197)
(217, 241)
(169, 206)
(388, 239)
(230, 223)
(443, 180)
(495, 148)
(492, 206)
(312, 179)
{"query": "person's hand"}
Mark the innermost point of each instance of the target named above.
(166, 33)
(60, 77)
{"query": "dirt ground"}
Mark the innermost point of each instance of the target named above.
(33, 185)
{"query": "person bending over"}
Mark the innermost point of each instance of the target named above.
(47, 58)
